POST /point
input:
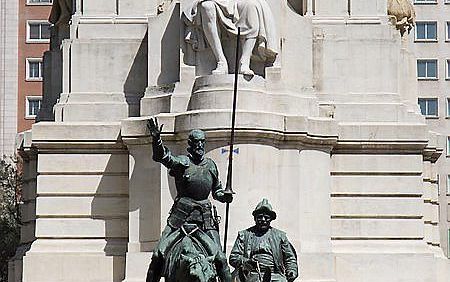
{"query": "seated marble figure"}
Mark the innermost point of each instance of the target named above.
(208, 22)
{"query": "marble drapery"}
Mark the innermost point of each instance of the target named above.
(254, 17)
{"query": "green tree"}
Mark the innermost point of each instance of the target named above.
(9, 213)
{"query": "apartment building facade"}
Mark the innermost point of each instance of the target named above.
(432, 49)
(34, 38)
(24, 37)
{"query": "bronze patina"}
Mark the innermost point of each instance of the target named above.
(264, 253)
(191, 238)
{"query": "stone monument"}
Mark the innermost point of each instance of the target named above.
(329, 131)
(208, 21)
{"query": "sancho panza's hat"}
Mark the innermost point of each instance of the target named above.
(264, 207)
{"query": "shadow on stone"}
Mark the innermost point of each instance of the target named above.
(136, 81)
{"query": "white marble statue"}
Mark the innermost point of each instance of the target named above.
(402, 14)
(209, 21)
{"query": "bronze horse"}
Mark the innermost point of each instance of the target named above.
(193, 256)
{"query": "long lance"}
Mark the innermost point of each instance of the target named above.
(228, 187)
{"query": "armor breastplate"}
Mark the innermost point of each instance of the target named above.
(195, 181)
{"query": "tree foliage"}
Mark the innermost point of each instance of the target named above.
(9, 213)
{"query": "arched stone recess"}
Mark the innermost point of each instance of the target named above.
(284, 158)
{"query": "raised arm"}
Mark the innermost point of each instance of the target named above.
(161, 153)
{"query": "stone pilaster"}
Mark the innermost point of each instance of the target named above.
(81, 204)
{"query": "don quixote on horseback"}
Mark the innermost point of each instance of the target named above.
(189, 248)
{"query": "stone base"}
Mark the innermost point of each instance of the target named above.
(215, 92)
(283, 158)
(15, 265)
(137, 266)
(79, 223)
(376, 267)
(91, 107)
(54, 267)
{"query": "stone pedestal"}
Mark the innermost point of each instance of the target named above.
(329, 133)
(81, 204)
(283, 144)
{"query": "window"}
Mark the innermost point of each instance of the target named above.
(38, 31)
(426, 31)
(429, 106)
(447, 76)
(427, 69)
(438, 186)
(448, 154)
(448, 184)
(425, 1)
(447, 33)
(448, 107)
(39, 2)
(33, 105)
(34, 69)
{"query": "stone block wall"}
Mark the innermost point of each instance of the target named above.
(78, 212)
(326, 135)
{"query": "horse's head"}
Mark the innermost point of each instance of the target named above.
(200, 268)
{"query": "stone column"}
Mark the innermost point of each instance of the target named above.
(314, 234)
(163, 60)
(53, 72)
(78, 4)
(309, 8)
(81, 204)
(435, 208)
(28, 208)
(428, 202)
(150, 198)
(408, 87)
(144, 211)
(431, 200)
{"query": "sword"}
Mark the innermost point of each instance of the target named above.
(228, 186)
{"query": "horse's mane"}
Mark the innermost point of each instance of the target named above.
(188, 246)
